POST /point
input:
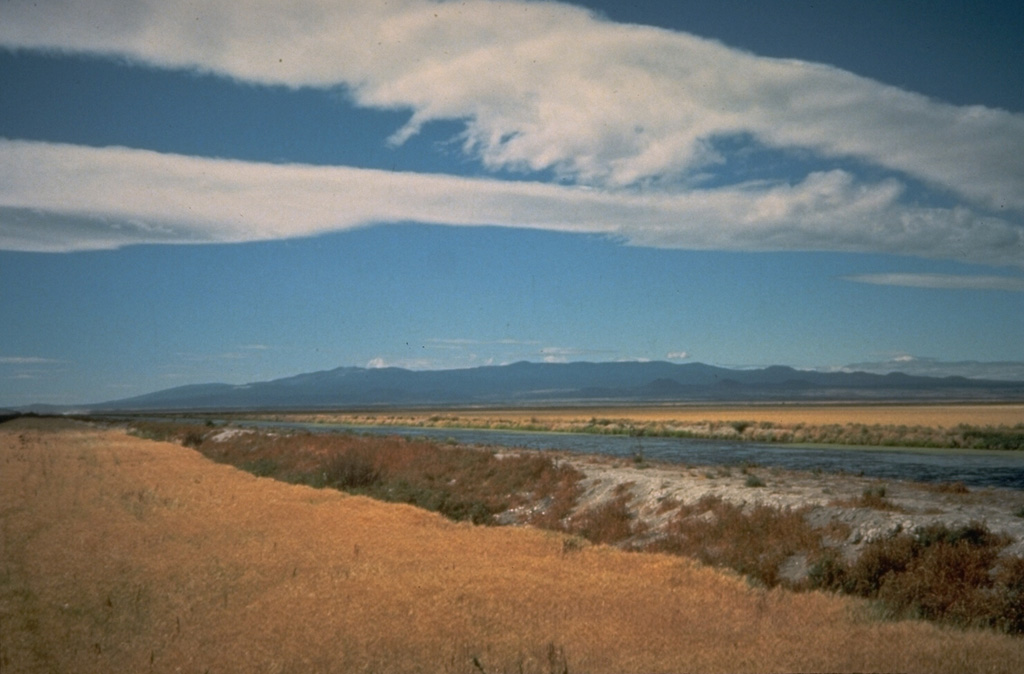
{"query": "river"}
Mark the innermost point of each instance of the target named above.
(976, 468)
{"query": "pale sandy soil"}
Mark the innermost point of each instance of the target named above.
(827, 496)
(119, 554)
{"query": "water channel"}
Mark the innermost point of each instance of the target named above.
(976, 468)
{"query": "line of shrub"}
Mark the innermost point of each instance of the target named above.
(461, 483)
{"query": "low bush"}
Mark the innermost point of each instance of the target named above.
(169, 431)
(754, 542)
(611, 522)
(947, 488)
(261, 467)
(948, 575)
(753, 481)
(871, 497)
(353, 469)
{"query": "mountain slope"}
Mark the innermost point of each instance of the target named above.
(533, 383)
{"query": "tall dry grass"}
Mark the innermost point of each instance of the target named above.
(125, 555)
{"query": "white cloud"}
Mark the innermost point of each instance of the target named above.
(562, 354)
(546, 85)
(630, 110)
(27, 360)
(405, 363)
(677, 355)
(56, 197)
(942, 281)
(461, 342)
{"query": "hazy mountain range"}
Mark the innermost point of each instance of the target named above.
(527, 383)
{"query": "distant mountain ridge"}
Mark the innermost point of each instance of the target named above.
(526, 383)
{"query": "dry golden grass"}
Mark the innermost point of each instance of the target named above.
(125, 555)
(933, 415)
(958, 426)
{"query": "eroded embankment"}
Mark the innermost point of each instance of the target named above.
(868, 509)
(121, 554)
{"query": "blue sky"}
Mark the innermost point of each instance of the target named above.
(246, 191)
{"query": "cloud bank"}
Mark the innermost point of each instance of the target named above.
(634, 112)
(64, 197)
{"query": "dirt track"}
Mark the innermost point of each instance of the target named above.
(120, 554)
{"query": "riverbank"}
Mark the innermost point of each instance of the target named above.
(125, 554)
(883, 539)
(858, 510)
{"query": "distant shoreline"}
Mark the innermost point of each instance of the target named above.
(977, 426)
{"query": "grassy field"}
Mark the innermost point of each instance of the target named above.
(945, 415)
(973, 426)
(123, 554)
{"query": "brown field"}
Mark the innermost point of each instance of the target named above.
(937, 415)
(119, 554)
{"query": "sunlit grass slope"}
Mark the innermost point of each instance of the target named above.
(121, 554)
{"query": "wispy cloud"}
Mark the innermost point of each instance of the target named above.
(942, 281)
(241, 352)
(548, 85)
(562, 354)
(57, 197)
(634, 112)
(406, 363)
(463, 343)
(27, 360)
(677, 355)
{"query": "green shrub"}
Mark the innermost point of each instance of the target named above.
(263, 467)
(754, 543)
(828, 571)
(351, 470)
(951, 575)
(611, 522)
(754, 481)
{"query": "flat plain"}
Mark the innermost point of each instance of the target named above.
(938, 415)
(125, 554)
(950, 425)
